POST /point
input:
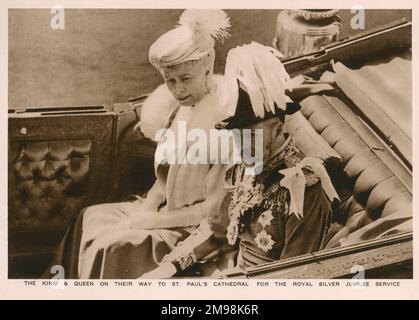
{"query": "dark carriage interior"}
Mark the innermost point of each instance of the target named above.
(63, 159)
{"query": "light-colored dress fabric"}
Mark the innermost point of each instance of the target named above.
(109, 248)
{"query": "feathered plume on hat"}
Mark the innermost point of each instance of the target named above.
(258, 70)
(214, 23)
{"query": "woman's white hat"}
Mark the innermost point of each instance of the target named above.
(193, 37)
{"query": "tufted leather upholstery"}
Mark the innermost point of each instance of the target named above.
(377, 198)
(59, 162)
(50, 182)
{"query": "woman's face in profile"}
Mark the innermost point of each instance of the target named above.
(187, 81)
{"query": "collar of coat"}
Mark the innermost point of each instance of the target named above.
(160, 107)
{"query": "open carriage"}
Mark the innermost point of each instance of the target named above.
(92, 155)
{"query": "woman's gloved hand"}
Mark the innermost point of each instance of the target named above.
(146, 219)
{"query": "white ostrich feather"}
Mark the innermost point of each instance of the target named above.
(260, 73)
(207, 22)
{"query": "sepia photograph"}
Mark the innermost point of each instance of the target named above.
(209, 144)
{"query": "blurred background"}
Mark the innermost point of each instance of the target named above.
(101, 57)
